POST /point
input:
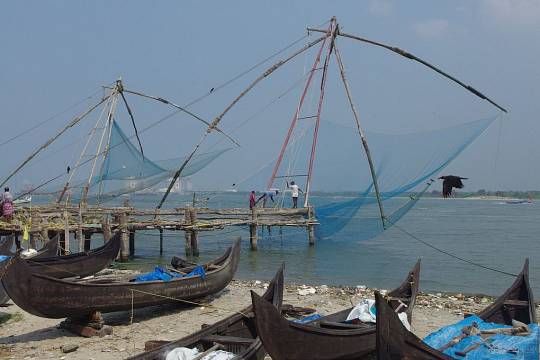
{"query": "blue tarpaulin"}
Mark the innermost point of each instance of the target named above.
(162, 274)
(4, 257)
(497, 347)
(307, 319)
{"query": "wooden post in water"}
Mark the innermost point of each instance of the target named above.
(62, 243)
(82, 246)
(106, 228)
(160, 241)
(311, 228)
(187, 221)
(87, 241)
(65, 247)
(17, 241)
(131, 243)
(32, 241)
(123, 227)
(44, 235)
(193, 233)
(253, 229)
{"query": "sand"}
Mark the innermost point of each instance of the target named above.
(25, 336)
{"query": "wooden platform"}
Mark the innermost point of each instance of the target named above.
(42, 220)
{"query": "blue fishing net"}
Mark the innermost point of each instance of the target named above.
(125, 169)
(497, 346)
(404, 165)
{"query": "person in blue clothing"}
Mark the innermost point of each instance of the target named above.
(268, 194)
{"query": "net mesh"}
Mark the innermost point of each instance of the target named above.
(126, 170)
(404, 165)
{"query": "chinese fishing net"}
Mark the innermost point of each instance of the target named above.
(125, 170)
(404, 164)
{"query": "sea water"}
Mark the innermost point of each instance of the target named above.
(488, 232)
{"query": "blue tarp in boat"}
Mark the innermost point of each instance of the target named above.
(496, 347)
(163, 274)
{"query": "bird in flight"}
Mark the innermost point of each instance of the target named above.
(449, 182)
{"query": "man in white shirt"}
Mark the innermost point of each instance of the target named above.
(295, 192)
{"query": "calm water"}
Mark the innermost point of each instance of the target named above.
(488, 232)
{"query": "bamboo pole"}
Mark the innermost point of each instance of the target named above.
(52, 139)
(83, 151)
(417, 59)
(110, 115)
(361, 133)
(66, 232)
(160, 99)
(332, 32)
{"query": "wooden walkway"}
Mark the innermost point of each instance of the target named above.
(44, 221)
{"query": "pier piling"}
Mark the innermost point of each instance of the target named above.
(253, 229)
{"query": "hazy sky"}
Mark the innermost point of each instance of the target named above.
(55, 53)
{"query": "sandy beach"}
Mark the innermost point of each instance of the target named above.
(24, 336)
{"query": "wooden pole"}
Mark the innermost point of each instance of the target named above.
(17, 241)
(87, 241)
(32, 241)
(80, 232)
(106, 228)
(423, 62)
(44, 235)
(62, 243)
(253, 229)
(160, 241)
(131, 243)
(187, 221)
(124, 249)
(193, 233)
(362, 134)
(333, 27)
(311, 228)
(66, 233)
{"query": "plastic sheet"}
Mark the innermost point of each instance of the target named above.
(497, 347)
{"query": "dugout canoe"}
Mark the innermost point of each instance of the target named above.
(79, 264)
(49, 297)
(395, 342)
(328, 337)
(237, 333)
(50, 248)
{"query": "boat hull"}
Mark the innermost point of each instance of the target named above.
(239, 325)
(326, 338)
(48, 297)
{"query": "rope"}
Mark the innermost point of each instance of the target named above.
(450, 254)
(24, 132)
(189, 302)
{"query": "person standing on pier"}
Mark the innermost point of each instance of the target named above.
(295, 189)
(6, 204)
(252, 200)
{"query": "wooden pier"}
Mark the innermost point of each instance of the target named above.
(43, 221)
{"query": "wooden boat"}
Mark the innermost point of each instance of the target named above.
(79, 264)
(237, 333)
(328, 337)
(49, 297)
(50, 248)
(394, 341)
